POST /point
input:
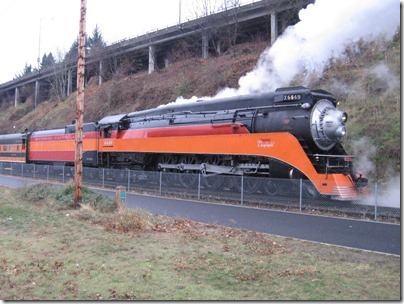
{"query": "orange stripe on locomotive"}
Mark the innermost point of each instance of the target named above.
(61, 147)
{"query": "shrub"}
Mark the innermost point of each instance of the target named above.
(62, 197)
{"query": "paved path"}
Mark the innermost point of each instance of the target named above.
(367, 235)
(374, 236)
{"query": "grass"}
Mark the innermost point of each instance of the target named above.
(51, 252)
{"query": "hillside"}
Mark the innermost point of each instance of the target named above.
(366, 81)
(195, 76)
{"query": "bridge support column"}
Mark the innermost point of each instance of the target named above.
(16, 96)
(205, 45)
(152, 58)
(69, 82)
(100, 73)
(274, 27)
(284, 25)
(36, 98)
(219, 47)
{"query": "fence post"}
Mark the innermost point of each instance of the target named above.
(128, 179)
(375, 200)
(22, 170)
(161, 177)
(199, 186)
(301, 195)
(103, 178)
(242, 189)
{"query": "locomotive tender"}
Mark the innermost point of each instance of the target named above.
(291, 133)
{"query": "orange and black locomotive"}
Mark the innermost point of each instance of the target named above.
(292, 133)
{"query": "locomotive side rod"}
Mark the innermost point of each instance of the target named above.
(208, 169)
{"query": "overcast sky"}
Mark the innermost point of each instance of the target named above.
(29, 28)
(55, 23)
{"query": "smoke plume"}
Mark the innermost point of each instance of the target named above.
(325, 29)
(388, 193)
(384, 194)
(364, 152)
(323, 32)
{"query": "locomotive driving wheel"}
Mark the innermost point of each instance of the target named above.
(167, 178)
(214, 182)
(271, 187)
(310, 191)
(188, 178)
(249, 184)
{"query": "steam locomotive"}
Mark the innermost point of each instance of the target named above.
(292, 133)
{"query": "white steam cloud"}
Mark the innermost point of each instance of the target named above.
(384, 194)
(388, 194)
(380, 77)
(323, 32)
(325, 29)
(364, 152)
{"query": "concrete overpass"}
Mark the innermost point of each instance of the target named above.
(267, 16)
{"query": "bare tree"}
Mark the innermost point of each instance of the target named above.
(203, 8)
(59, 80)
(230, 12)
(221, 22)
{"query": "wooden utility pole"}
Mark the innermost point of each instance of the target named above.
(78, 163)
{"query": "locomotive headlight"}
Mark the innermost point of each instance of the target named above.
(306, 105)
(340, 132)
(344, 117)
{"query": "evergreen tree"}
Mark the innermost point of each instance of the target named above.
(48, 61)
(73, 53)
(26, 71)
(95, 46)
(96, 42)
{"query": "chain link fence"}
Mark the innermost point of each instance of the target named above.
(382, 203)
